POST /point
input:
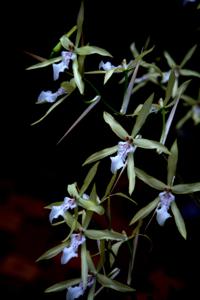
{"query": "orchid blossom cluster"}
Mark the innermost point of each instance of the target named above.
(98, 265)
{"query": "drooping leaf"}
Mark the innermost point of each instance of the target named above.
(88, 179)
(186, 188)
(113, 284)
(131, 173)
(179, 220)
(100, 154)
(145, 211)
(115, 126)
(150, 180)
(172, 163)
(104, 235)
(142, 115)
(45, 63)
(149, 144)
(52, 252)
(87, 50)
(63, 285)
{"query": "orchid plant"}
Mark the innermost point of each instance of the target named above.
(98, 248)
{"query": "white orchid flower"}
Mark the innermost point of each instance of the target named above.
(64, 64)
(48, 96)
(77, 291)
(162, 211)
(59, 210)
(71, 251)
(118, 161)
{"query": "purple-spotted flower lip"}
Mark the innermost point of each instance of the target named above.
(59, 210)
(77, 239)
(162, 214)
(75, 292)
(49, 96)
(118, 161)
(67, 56)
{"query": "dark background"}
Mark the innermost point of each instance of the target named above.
(35, 170)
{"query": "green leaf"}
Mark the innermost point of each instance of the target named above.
(170, 87)
(151, 181)
(66, 43)
(172, 163)
(170, 60)
(110, 185)
(188, 56)
(108, 74)
(149, 144)
(87, 50)
(186, 188)
(113, 284)
(45, 63)
(104, 235)
(91, 206)
(100, 154)
(77, 76)
(79, 22)
(115, 249)
(84, 265)
(123, 196)
(72, 190)
(71, 221)
(63, 285)
(52, 252)
(142, 115)
(145, 211)
(91, 293)
(115, 126)
(186, 72)
(91, 264)
(88, 179)
(179, 220)
(131, 173)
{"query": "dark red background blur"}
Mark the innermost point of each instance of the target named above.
(35, 171)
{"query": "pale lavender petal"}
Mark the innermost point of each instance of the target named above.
(75, 292)
(47, 96)
(106, 66)
(67, 254)
(162, 215)
(56, 211)
(57, 68)
(116, 163)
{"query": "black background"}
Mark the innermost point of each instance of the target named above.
(35, 170)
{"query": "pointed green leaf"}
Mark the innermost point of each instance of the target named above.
(77, 76)
(115, 249)
(45, 63)
(123, 196)
(84, 265)
(186, 72)
(50, 109)
(79, 22)
(91, 293)
(170, 87)
(87, 50)
(100, 154)
(52, 252)
(188, 56)
(104, 235)
(172, 163)
(72, 190)
(91, 263)
(90, 205)
(151, 181)
(131, 173)
(113, 284)
(179, 220)
(63, 285)
(169, 59)
(115, 126)
(108, 74)
(145, 211)
(149, 144)
(142, 115)
(88, 179)
(186, 188)
(71, 221)
(110, 185)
